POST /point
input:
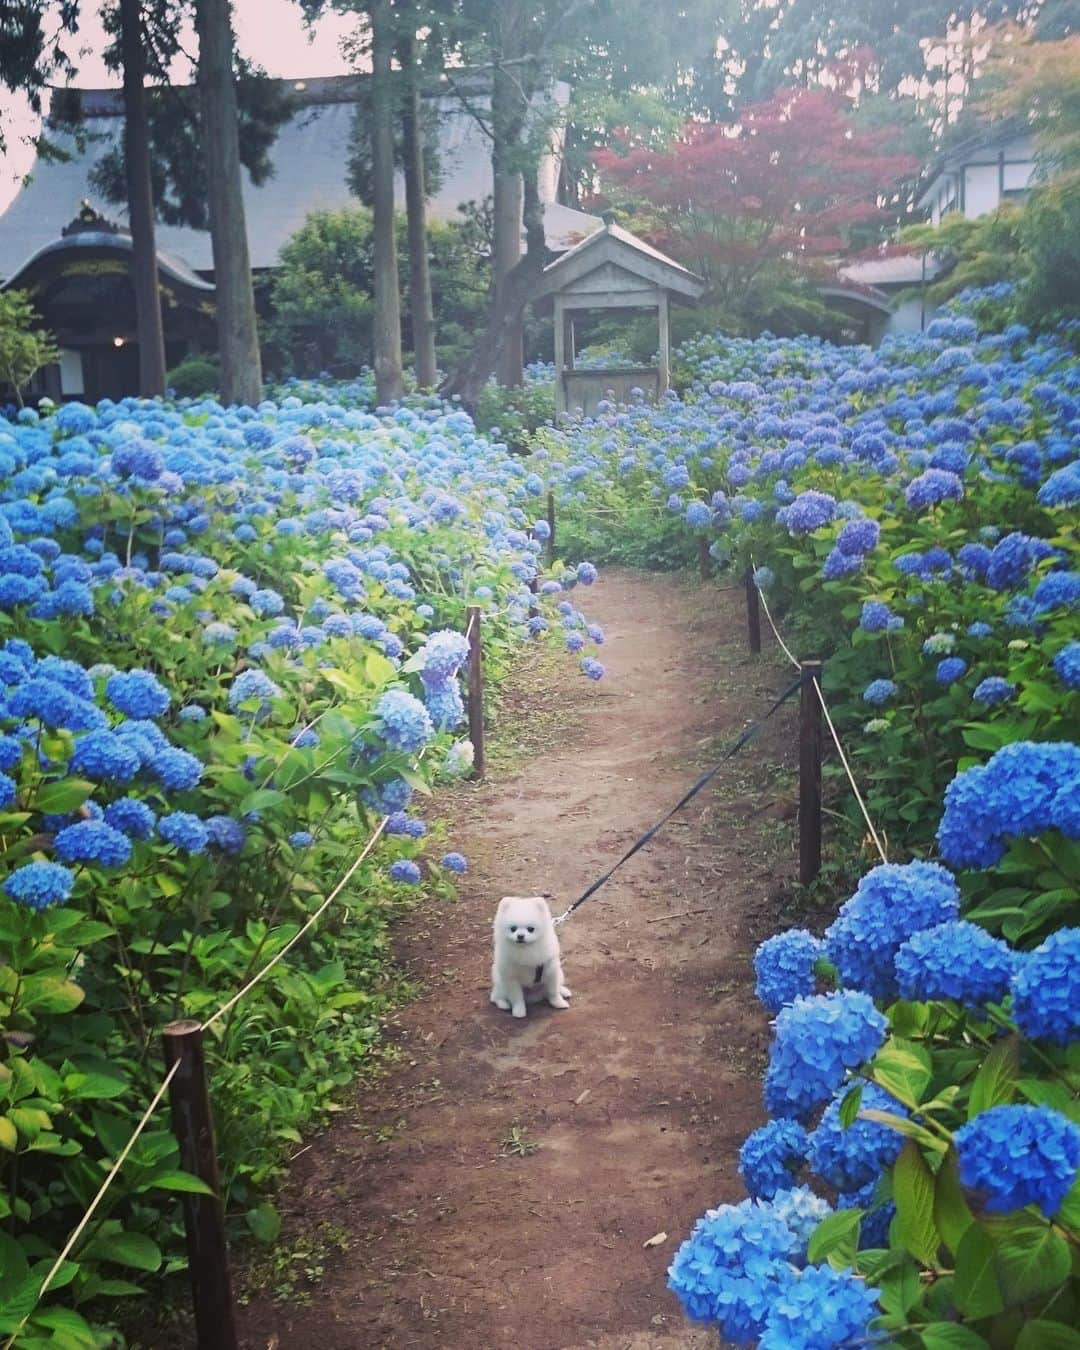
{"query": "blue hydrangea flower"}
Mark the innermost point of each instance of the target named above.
(731, 1269)
(130, 816)
(891, 903)
(105, 757)
(301, 839)
(1046, 989)
(876, 617)
(137, 693)
(1023, 789)
(878, 692)
(586, 573)
(771, 1157)
(993, 691)
(266, 603)
(858, 537)
(950, 670)
(184, 831)
(817, 1040)
(808, 512)
(443, 655)
(852, 1157)
(405, 870)
(784, 967)
(820, 1309)
(591, 668)
(37, 885)
(227, 834)
(404, 723)
(454, 862)
(1067, 665)
(8, 791)
(92, 841)
(176, 769)
(956, 960)
(250, 685)
(932, 487)
(1014, 1156)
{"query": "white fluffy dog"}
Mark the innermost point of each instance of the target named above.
(526, 966)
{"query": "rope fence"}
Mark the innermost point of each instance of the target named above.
(212, 1312)
(758, 595)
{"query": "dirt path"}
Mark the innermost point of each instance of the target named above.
(638, 1097)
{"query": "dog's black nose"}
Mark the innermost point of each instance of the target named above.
(521, 937)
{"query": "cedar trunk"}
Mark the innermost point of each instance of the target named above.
(387, 337)
(421, 306)
(140, 198)
(238, 338)
(507, 306)
(508, 113)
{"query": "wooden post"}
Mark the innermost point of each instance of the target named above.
(551, 529)
(704, 561)
(809, 774)
(753, 611)
(204, 1219)
(664, 373)
(476, 690)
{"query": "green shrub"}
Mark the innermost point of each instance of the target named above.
(194, 376)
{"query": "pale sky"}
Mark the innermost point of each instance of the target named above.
(270, 32)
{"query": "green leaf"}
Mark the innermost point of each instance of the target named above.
(9, 1136)
(175, 1180)
(975, 1288)
(1044, 1335)
(913, 1192)
(1033, 1259)
(94, 1085)
(906, 1127)
(265, 1222)
(50, 994)
(262, 799)
(904, 1069)
(1068, 1216)
(29, 1121)
(951, 1212)
(995, 1083)
(67, 1321)
(900, 1289)
(849, 1107)
(125, 1249)
(951, 1336)
(57, 799)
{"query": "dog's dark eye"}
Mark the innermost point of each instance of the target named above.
(531, 929)
(513, 928)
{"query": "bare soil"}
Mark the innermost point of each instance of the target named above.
(498, 1185)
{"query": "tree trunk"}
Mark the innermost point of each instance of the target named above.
(506, 308)
(507, 121)
(387, 325)
(140, 196)
(421, 306)
(238, 338)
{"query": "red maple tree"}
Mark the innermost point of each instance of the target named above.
(779, 187)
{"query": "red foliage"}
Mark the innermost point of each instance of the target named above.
(786, 181)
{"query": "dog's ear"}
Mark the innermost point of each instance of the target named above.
(543, 906)
(502, 904)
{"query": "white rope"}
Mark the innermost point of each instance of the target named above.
(851, 777)
(256, 979)
(776, 631)
(109, 1179)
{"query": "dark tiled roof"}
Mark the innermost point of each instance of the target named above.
(310, 158)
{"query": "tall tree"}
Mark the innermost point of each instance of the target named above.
(388, 370)
(140, 199)
(238, 341)
(421, 305)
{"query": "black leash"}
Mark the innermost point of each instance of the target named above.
(747, 736)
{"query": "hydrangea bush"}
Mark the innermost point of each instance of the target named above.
(230, 644)
(909, 513)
